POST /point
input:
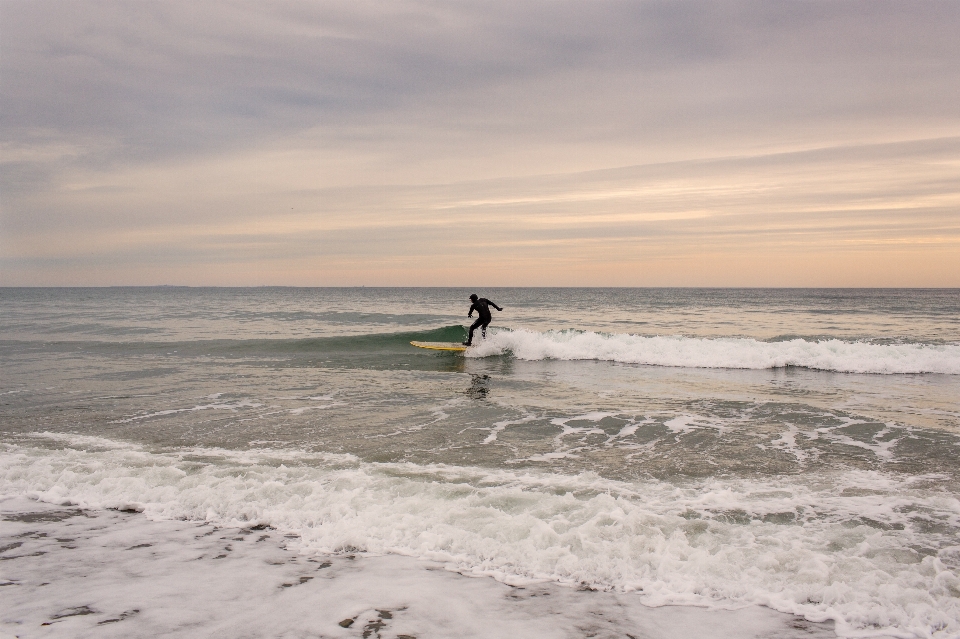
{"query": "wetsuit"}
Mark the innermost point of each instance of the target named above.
(481, 306)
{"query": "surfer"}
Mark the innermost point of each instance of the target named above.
(481, 306)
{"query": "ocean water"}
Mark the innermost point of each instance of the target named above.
(795, 449)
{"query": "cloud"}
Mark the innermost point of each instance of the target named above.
(324, 143)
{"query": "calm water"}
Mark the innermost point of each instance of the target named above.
(796, 448)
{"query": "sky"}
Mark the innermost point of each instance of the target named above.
(495, 143)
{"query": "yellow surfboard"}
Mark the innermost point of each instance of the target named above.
(441, 346)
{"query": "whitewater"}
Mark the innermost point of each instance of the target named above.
(715, 543)
(827, 354)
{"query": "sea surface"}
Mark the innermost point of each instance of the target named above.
(792, 448)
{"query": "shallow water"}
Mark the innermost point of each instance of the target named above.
(792, 448)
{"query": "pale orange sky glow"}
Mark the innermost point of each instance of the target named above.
(342, 144)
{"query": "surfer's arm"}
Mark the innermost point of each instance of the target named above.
(472, 306)
(495, 306)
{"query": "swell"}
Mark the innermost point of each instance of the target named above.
(383, 343)
(826, 354)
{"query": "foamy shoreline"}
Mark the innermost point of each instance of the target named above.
(67, 572)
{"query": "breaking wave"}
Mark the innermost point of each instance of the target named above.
(727, 352)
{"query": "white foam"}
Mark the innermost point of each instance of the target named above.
(110, 574)
(231, 406)
(499, 427)
(303, 409)
(831, 355)
(715, 543)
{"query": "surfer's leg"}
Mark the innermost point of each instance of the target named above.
(483, 329)
(476, 324)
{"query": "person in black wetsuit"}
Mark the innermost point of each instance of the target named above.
(481, 306)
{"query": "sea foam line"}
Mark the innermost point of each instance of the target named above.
(797, 547)
(725, 352)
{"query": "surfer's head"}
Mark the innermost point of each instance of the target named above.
(473, 297)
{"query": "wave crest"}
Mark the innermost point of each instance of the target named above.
(726, 352)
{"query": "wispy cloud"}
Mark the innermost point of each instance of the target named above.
(499, 142)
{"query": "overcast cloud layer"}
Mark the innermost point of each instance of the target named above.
(480, 143)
